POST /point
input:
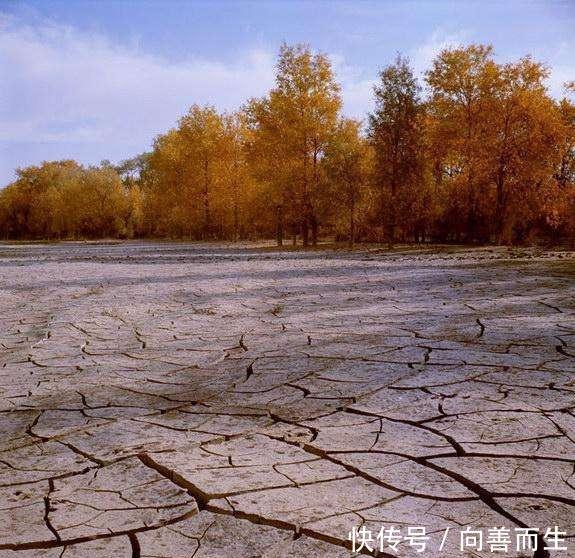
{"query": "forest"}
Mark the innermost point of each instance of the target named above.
(478, 152)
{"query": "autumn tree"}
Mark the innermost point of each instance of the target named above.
(347, 162)
(395, 131)
(265, 151)
(197, 183)
(182, 175)
(292, 128)
(237, 181)
(62, 199)
(495, 136)
(488, 155)
(461, 81)
(523, 135)
(131, 171)
(565, 174)
(202, 132)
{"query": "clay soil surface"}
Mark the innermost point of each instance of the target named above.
(177, 400)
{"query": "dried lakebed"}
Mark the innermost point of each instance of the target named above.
(178, 400)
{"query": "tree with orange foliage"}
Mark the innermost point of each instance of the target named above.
(292, 128)
(395, 132)
(348, 159)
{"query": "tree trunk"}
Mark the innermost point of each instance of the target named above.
(500, 205)
(352, 225)
(280, 225)
(207, 216)
(236, 211)
(314, 229)
(305, 231)
(391, 224)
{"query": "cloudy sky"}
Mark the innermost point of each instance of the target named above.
(95, 80)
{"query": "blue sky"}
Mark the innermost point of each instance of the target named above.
(100, 79)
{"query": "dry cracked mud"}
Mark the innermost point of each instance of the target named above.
(179, 400)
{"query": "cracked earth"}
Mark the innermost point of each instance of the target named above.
(185, 400)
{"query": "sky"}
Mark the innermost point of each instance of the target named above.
(94, 80)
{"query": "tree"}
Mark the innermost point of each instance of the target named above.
(61, 199)
(292, 128)
(132, 171)
(347, 161)
(522, 135)
(565, 174)
(395, 131)
(461, 81)
(489, 155)
(182, 175)
(202, 132)
(238, 186)
(494, 135)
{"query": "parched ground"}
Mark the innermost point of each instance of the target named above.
(179, 400)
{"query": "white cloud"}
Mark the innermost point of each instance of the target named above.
(68, 93)
(356, 88)
(358, 97)
(60, 85)
(71, 93)
(561, 62)
(422, 56)
(559, 58)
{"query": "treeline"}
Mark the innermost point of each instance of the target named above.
(62, 199)
(480, 153)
